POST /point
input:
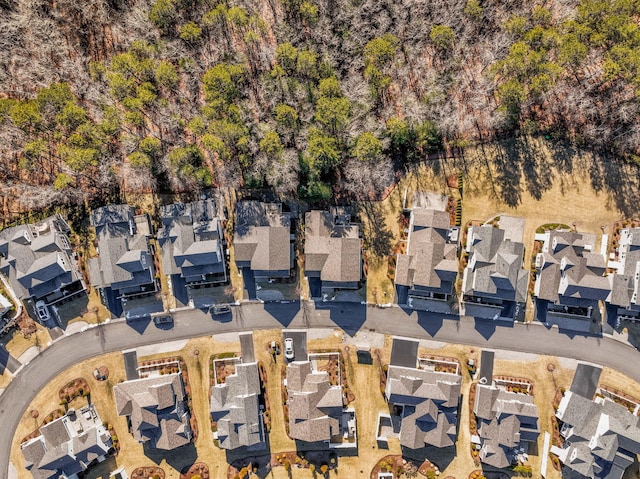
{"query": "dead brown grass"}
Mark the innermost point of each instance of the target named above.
(101, 395)
(17, 343)
(545, 384)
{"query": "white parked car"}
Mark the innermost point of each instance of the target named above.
(288, 348)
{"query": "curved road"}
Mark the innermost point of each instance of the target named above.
(350, 317)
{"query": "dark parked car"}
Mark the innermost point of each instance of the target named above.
(162, 320)
(220, 309)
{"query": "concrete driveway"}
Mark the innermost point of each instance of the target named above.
(299, 344)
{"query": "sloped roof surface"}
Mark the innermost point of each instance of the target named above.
(430, 401)
(235, 408)
(262, 236)
(332, 249)
(495, 266)
(315, 407)
(36, 258)
(191, 239)
(124, 259)
(156, 408)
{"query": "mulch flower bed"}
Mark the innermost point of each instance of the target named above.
(148, 472)
(199, 469)
(475, 474)
(427, 467)
(397, 465)
(73, 389)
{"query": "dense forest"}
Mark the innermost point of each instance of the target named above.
(309, 97)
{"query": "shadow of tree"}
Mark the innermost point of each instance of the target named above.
(538, 174)
(502, 170)
(508, 173)
(378, 237)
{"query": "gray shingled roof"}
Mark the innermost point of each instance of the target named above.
(37, 258)
(262, 236)
(495, 266)
(504, 419)
(191, 239)
(626, 281)
(124, 261)
(67, 445)
(430, 226)
(156, 409)
(571, 275)
(315, 407)
(332, 251)
(235, 408)
(430, 263)
(602, 438)
(430, 405)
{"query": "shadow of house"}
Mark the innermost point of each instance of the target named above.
(263, 243)
(333, 259)
(8, 362)
(40, 265)
(430, 267)
(283, 312)
(494, 276)
(179, 458)
(430, 322)
(192, 243)
(140, 325)
(571, 279)
(125, 265)
(260, 462)
(440, 456)
(347, 316)
(487, 327)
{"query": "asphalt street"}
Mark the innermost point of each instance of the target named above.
(350, 317)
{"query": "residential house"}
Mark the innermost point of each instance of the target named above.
(235, 407)
(570, 278)
(192, 243)
(124, 269)
(494, 277)
(315, 406)
(156, 409)
(507, 423)
(39, 264)
(332, 250)
(626, 280)
(429, 268)
(67, 446)
(601, 438)
(425, 400)
(262, 243)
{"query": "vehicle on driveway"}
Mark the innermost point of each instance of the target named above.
(43, 312)
(220, 309)
(158, 320)
(288, 348)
